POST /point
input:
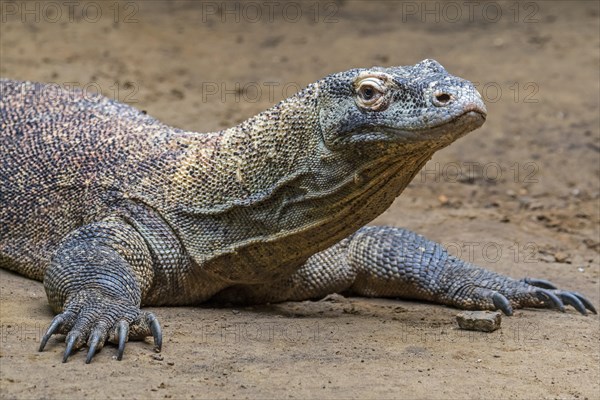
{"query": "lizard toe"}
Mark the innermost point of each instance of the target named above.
(63, 322)
(549, 299)
(74, 341)
(55, 327)
(542, 283)
(147, 325)
(502, 303)
(474, 297)
(120, 335)
(96, 340)
(587, 304)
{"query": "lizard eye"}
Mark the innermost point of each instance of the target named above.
(370, 93)
(367, 92)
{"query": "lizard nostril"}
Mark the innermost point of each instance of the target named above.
(443, 98)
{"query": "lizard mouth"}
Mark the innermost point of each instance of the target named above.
(472, 117)
(443, 133)
(460, 125)
(472, 114)
(468, 121)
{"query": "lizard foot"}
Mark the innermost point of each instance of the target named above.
(527, 292)
(92, 318)
(553, 297)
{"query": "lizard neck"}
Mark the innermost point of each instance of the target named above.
(246, 164)
(269, 193)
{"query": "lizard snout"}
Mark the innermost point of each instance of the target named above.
(460, 99)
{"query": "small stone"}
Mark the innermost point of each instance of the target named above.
(157, 357)
(546, 258)
(485, 321)
(561, 256)
(443, 199)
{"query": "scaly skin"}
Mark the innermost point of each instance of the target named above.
(114, 210)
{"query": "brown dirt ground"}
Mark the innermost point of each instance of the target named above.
(538, 216)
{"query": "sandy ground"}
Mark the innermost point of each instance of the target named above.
(519, 196)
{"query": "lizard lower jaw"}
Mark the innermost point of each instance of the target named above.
(476, 116)
(447, 132)
(474, 108)
(471, 119)
(458, 127)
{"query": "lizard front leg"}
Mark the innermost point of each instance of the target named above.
(393, 262)
(379, 261)
(95, 282)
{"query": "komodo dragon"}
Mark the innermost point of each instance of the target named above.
(114, 210)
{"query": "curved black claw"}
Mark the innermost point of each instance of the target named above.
(541, 283)
(572, 300)
(123, 329)
(550, 298)
(71, 339)
(502, 303)
(55, 325)
(588, 304)
(92, 347)
(156, 331)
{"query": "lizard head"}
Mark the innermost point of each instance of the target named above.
(398, 105)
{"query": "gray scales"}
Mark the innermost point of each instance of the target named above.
(114, 210)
